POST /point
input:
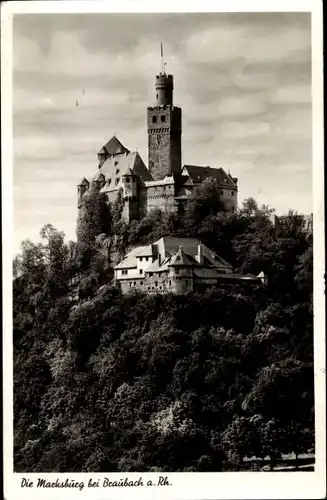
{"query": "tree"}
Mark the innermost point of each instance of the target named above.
(94, 217)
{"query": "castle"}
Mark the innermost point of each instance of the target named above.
(165, 184)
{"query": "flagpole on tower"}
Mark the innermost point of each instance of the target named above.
(162, 60)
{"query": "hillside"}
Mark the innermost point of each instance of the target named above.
(106, 382)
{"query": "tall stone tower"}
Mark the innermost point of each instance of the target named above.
(164, 130)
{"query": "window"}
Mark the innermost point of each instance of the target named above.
(141, 271)
(146, 258)
(221, 192)
(163, 118)
(150, 274)
(140, 259)
(109, 182)
(154, 119)
(116, 162)
(169, 282)
(117, 180)
(134, 283)
(130, 283)
(232, 193)
(141, 282)
(160, 287)
(156, 96)
(127, 180)
(117, 171)
(124, 271)
(156, 283)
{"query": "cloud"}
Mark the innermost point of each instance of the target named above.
(243, 82)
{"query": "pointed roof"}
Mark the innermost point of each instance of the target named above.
(198, 173)
(114, 147)
(115, 167)
(84, 182)
(181, 259)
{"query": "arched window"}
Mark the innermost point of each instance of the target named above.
(154, 119)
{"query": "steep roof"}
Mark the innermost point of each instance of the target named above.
(123, 164)
(130, 259)
(84, 182)
(181, 259)
(175, 251)
(199, 174)
(114, 147)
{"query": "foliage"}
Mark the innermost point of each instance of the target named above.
(105, 382)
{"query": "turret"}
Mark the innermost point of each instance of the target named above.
(81, 189)
(164, 89)
(164, 129)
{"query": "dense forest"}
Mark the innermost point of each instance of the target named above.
(105, 382)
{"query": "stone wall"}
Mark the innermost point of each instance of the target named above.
(228, 196)
(164, 141)
(160, 197)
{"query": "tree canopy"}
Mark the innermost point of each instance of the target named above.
(111, 382)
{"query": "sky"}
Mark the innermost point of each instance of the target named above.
(243, 81)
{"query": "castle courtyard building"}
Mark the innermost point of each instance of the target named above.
(178, 266)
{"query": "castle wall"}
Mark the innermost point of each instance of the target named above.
(228, 196)
(160, 197)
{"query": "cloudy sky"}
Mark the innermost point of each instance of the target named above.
(242, 80)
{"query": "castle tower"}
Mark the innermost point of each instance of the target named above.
(164, 129)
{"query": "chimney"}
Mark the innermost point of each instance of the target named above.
(200, 254)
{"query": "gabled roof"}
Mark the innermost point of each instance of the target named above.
(198, 173)
(115, 167)
(181, 259)
(113, 147)
(130, 260)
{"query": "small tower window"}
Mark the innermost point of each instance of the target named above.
(154, 119)
(163, 118)
(117, 171)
